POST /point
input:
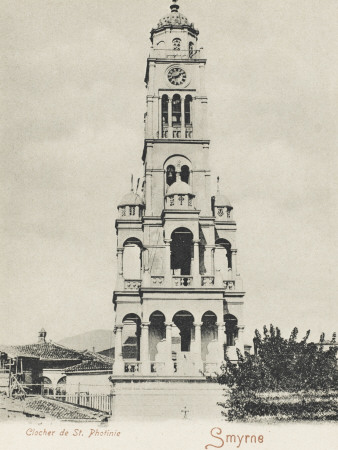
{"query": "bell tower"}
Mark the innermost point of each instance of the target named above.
(178, 298)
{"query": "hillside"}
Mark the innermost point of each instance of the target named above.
(97, 339)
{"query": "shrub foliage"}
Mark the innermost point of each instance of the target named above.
(285, 378)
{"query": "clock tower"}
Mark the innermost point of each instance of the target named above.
(178, 298)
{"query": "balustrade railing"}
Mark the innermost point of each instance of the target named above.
(175, 54)
(229, 285)
(208, 280)
(157, 280)
(182, 281)
(132, 367)
(157, 367)
(177, 132)
(209, 368)
(132, 285)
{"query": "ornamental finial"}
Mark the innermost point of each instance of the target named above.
(217, 184)
(174, 7)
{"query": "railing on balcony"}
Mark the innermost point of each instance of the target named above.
(229, 285)
(209, 368)
(132, 367)
(208, 280)
(175, 54)
(177, 132)
(157, 368)
(157, 280)
(132, 285)
(180, 280)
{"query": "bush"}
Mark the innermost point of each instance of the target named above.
(282, 365)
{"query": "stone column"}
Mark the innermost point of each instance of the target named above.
(182, 118)
(169, 365)
(198, 348)
(118, 368)
(148, 193)
(119, 255)
(240, 340)
(234, 263)
(170, 118)
(221, 340)
(196, 264)
(145, 362)
(168, 275)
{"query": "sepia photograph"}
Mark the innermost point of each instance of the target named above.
(169, 224)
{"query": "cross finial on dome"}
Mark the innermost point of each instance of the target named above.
(217, 184)
(174, 7)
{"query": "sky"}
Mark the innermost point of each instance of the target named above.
(73, 100)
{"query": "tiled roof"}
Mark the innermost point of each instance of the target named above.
(90, 366)
(44, 350)
(63, 411)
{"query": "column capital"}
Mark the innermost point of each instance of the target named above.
(167, 241)
(198, 324)
(240, 328)
(119, 250)
(168, 324)
(118, 327)
(145, 324)
(196, 241)
(220, 324)
(234, 250)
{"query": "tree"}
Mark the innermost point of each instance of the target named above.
(278, 365)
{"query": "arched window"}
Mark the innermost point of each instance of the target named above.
(231, 328)
(184, 320)
(165, 101)
(131, 334)
(177, 44)
(176, 110)
(181, 251)
(208, 331)
(185, 174)
(187, 109)
(132, 259)
(191, 49)
(171, 175)
(223, 260)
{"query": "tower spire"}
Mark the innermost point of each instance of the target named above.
(174, 7)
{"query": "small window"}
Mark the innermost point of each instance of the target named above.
(123, 212)
(177, 44)
(165, 101)
(191, 49)
(176, 109)
(187, 109)
(185, 174)
(132, 210)
(171, 175)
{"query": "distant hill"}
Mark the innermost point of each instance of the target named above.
(97, 339)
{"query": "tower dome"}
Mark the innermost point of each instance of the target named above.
(131, 199)
(174, 20)
(179, 188)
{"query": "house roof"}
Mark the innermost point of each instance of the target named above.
(43, 350)
(91, 366)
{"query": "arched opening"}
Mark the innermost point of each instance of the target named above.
(165, 101)
(231, 329)
(131, 335)
(187, 109)
(208, 331)
(185, 174)
(160, 44)
(191, 49)
(171, 175)
(132, 259)
(177, 44)
(184, 321)
(46, 386)
(223, 260)
(176, 110)
(61, 387)
(156, 333)
(181, 251)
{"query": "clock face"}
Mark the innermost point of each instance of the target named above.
(177, 76)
